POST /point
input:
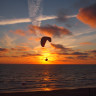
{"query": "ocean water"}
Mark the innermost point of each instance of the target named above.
(27, 78)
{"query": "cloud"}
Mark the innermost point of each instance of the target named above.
(59, 46)
(70, 57)
(19, 51)
(19, 32)
(86, 43)
(60, 17)
(35, 21)
(35, 10)
(14, 21)
(50, 30)
(61, 53)
(82, 57)
(47, 30)
(4, 50)
(93, 51)
(79, 53)
(21, 48)
(7, 41)
(34, 7)
(28, 54)
(43, 17)
(88, 15)
(63, 16)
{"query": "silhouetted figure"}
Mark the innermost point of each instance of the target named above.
(46, 59)
(44, 39)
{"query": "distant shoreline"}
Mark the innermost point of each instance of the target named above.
(63, 92)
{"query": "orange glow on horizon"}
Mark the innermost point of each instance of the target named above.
(46, 54)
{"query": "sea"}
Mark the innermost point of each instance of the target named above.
(30, 77)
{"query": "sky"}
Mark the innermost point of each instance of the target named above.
(71, 24)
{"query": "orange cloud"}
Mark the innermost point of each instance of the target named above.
(4, 50)
(33, 38)
(86, 43)
(57, 57)
(19, 32)
(49, 30)
(37, 39)
(88, 15)
(21, 48)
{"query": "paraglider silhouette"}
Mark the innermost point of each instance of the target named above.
(43, 42)
(44, 39)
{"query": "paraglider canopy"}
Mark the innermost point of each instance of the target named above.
(44, 39)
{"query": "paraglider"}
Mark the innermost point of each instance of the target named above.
(44, 39)
(43, 42)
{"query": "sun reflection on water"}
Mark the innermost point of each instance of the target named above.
(47, 85)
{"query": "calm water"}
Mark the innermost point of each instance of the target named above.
(14, 78)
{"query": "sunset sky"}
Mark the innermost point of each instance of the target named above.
(70, 23)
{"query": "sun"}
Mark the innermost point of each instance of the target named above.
(46, 57)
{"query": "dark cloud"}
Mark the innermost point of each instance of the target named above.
(4, 50)
(59, 46)
(28, 54)
(70, 57)
(87, 15)
(79, 53)
(82, 57)
(63, 53)
(68, 25)
(62, 15)
(50, 30)
(21, 48)
(93, 51)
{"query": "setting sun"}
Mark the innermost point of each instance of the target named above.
(47, 57)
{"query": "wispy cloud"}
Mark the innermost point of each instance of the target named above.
(14, 21)
(36, 20)
(19, 32)
(87, 43)
(35, 10)
(7, 41)
(44, 17)
(63, 16)
(21, 48)
(34, 7)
